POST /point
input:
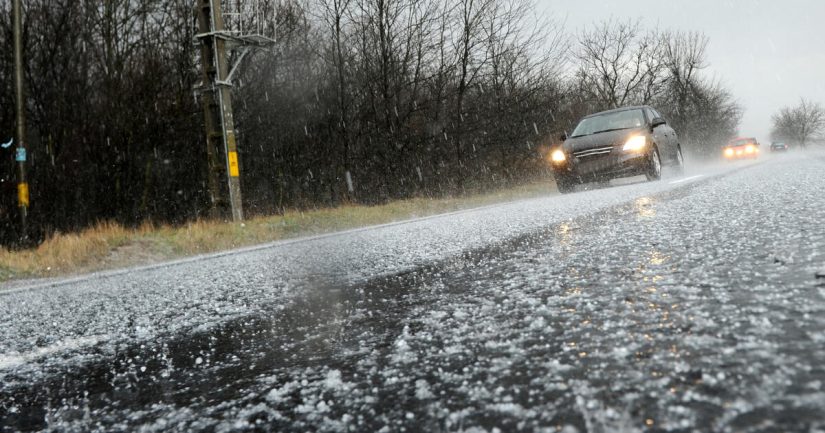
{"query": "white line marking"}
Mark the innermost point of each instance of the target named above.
(687, 179)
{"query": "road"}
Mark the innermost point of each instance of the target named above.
(688, 304)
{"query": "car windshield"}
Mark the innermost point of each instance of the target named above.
(741, 142)
(609, 122)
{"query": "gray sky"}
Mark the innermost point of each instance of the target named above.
(768, 53)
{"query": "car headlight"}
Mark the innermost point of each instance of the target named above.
(729, 152)
(558, 156)
(750, 149)
(636, 143)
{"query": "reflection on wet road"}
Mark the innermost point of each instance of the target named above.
(695, 309)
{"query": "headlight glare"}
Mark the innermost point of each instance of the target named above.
(558, 156)
(635, 144)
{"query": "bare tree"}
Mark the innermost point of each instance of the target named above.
(703, 111)
(521, 48)
(684, 57)
(524, 57)
(799, 124)
(619, 64)
(335, 18)
(707, 118)
(470, 57)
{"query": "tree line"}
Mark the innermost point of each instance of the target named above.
(357, 101)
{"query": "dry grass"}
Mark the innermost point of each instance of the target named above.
(66, 252)
(109, 245)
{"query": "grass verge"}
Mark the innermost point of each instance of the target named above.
(110, 246)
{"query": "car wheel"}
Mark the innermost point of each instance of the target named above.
(654, 169)
(680, 161)
(565, 184)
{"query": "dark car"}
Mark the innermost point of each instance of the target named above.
(779, 146)
(623, 142)
(741, 148)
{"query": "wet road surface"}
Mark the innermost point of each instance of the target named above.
(684, 305)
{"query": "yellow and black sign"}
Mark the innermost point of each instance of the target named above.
(23, 195)
(234, 170)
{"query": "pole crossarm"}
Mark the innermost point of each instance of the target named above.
(236, 40)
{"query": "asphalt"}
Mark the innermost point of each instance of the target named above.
(688, 304)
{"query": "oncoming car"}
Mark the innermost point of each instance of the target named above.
(779, 146)
(623, 142)
(741, 148)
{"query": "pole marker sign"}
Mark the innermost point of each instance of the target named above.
(234, 170)
(23, 195)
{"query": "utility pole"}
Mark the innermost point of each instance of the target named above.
(20, 107)
(216, 95)
(221, 148)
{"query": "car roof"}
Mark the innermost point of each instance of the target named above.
(748, 140)
(616, 110)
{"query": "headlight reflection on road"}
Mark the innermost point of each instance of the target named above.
(574, 291)
(644, 207)
(657, 258)
(563, 232)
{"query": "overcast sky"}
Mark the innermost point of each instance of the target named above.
(768, 53)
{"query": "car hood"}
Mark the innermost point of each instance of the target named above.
(602, 139)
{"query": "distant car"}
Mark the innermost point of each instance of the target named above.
(741, 148)
(623, 142)
(779, 146)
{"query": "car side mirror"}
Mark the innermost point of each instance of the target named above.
(657, 121)
(563, 136)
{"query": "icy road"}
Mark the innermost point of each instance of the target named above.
(696, 303)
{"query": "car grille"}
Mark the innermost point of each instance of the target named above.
(593, 152)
